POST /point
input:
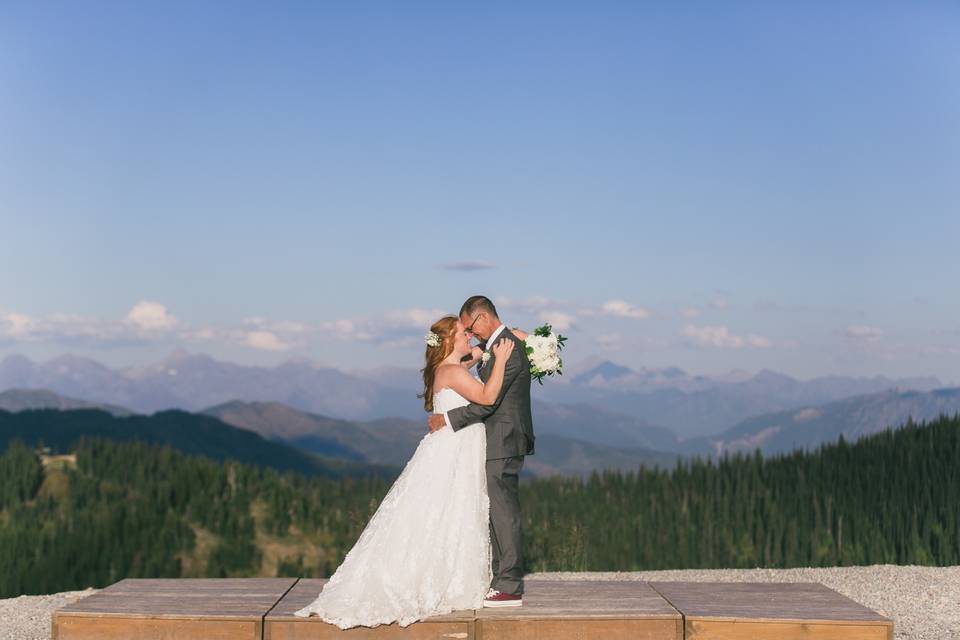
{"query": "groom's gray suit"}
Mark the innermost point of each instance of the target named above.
(509, 426)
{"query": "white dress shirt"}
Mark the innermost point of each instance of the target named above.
(490, 342)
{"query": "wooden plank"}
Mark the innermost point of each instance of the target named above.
(581, 599)
(154, 609)
(751, 629)
(583, 629)
(774, 610)
(92, 628)
(262, 609)
(766, 601)
(281, 624)
(579, 610)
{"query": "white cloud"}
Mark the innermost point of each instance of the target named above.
(559, 320)
(623, 309)
(390, 328)
(863, 333)
(759, 342)
(151, 316)
(690, 312)
(265, 340)
(721, 338)
(67, 328)
(16, 325)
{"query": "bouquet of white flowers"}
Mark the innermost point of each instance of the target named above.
(543, 350)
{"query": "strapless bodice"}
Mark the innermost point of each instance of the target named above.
(447, 399)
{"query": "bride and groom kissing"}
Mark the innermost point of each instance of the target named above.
(448, 535)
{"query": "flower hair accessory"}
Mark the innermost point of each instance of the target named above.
(432, 339)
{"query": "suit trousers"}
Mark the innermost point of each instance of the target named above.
(506, 525)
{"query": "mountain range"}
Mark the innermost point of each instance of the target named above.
(688, 406)
(195, 381)
(812, 426)
(695, 406)
(391, 441)
(571, 439)
(375, 445)
(600, 415)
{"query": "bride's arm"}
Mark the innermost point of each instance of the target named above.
(475, 391)
(520, 333)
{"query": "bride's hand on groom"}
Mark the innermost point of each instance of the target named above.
(436, 421)
(503, 349)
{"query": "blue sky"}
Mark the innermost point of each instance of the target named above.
(712, 185)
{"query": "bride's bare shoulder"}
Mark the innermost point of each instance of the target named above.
(446, 372)
(450, 374)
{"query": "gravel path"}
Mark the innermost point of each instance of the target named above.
(924, 602)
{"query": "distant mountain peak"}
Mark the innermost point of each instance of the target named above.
(602, 372)
(768, 375)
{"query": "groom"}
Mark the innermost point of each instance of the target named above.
(510, 437)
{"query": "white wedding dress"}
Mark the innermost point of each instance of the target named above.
(426, 550)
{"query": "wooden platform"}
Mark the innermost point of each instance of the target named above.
(262, 609)
(783, 610)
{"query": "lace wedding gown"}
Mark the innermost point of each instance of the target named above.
(426, 550)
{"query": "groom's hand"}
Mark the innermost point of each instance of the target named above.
(436, 421)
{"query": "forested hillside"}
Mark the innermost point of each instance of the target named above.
(131, 509)
(187, 432)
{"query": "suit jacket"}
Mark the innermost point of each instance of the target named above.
(509, 421)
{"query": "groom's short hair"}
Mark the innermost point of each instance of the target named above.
(475, 304)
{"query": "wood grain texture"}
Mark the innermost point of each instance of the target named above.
(578, 629)
(765, 601)
(281, 624)
(750, 630)
(583, 599)
(574, 610)
(95, 628)
(155, 609)
(262, 609)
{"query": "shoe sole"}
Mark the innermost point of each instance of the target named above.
(506, 603)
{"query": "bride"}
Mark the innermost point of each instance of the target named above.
(426, 551)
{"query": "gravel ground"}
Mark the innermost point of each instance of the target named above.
(924, 602)
(28, 617)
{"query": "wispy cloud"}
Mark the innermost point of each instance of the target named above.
(392, 327)
(557, 319)
(863, 333)
(721, 338)
(695, 311)
(468, 265)
(623, 309)
(147, 321)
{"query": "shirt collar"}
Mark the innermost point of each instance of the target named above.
(493, 336)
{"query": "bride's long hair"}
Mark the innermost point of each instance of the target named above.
(445, 328)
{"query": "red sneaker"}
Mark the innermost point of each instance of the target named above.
(500, 599)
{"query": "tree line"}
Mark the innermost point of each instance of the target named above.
(137, 509)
